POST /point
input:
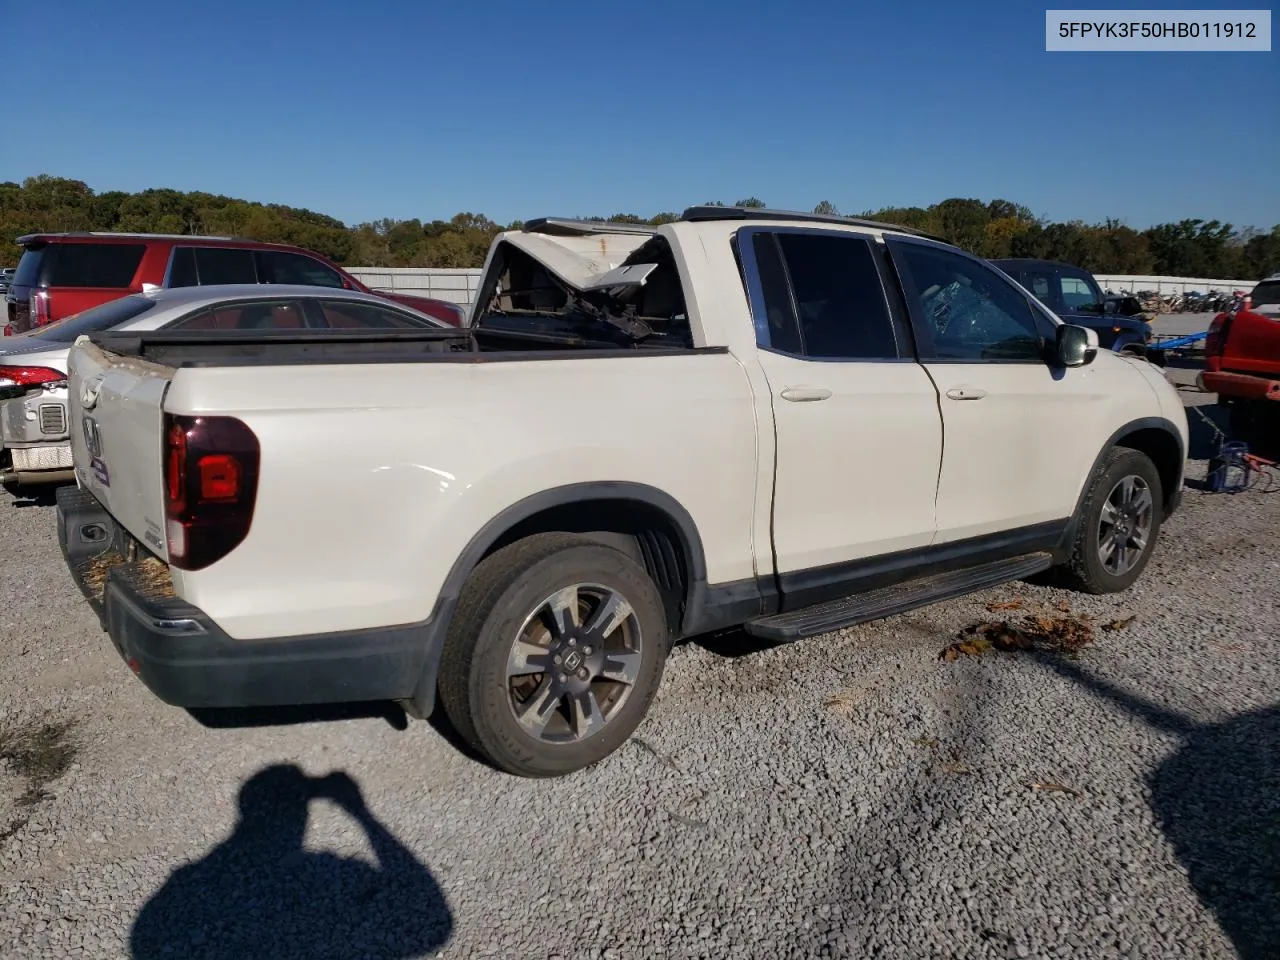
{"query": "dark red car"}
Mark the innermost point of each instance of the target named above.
(63, 273)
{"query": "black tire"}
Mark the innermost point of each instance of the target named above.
(499, 604)
(1085, 568)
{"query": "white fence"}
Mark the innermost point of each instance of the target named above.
(1167, 285)
(458, 286)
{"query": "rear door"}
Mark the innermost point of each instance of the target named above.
(116, 443)
(859, 436)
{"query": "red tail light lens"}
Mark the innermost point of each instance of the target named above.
(29, 376)
(219, 477)
(1215, 341)
(211, 484)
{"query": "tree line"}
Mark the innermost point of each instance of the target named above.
(993, 229)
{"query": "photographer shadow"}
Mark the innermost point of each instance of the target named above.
(260, 894)
(1216, 797)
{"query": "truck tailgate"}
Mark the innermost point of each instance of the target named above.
(117, 437)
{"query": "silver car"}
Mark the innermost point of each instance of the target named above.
(35, 447)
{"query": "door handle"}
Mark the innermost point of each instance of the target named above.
(966, 393)
(805, 394)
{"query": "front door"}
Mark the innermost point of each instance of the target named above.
(1018, 430)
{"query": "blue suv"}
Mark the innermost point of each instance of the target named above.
(1074, 295)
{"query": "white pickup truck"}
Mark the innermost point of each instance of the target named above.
(785, 422)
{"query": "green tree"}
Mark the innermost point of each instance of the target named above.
(995, 228)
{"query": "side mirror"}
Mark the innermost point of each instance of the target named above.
(1076, 346)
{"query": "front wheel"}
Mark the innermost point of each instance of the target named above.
(1118, 524)
(554, 653)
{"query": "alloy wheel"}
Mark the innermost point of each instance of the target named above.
(574, 663)
(1124, 528)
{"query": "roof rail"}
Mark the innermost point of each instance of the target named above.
(765, 213)
(567, 227)
(130, 236)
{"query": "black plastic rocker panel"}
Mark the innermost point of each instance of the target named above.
(887, 601)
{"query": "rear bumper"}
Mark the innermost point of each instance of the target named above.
(36, 417)
(186, 660)
(1243, 386)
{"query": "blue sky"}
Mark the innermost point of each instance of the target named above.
(425, 108)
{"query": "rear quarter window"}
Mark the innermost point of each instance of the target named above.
(103, 265)
(28, 272)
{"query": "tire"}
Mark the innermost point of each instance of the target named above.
(1086, 569)
(506, 610)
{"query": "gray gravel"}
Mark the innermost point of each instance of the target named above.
(847, 796)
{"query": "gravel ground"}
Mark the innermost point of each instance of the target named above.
(853, 795)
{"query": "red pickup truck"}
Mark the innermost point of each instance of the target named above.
(64, 273)
(1242, 361)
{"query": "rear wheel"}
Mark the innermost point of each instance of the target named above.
(553, 655)
(1118, 524)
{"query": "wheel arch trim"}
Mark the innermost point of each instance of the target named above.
(1170, 497)
(528, 507)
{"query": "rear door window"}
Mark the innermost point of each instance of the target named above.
(1076, 293)
(100, 265)
(276, 266)
(202, 266)
(225, 265)
(831, 281)
(1043, 285)
(182, 269)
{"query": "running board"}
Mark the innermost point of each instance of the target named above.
(886, 601)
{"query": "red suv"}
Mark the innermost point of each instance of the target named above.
(63, 273)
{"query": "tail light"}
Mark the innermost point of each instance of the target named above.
(1215, 341)
(39, 304)
(210, 486)
(8, 329)
(15, 381)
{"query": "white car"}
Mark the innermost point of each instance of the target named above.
(34, 444)
(786, 422)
